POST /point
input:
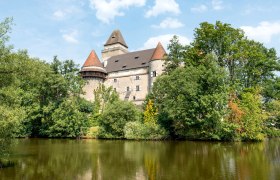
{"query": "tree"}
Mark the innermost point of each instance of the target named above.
(175, 57)
(150, 114)
(248, 62)
(193, 99)
(68, 120)
(253, 118)
(103, 96)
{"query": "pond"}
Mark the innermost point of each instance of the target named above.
(39, 159)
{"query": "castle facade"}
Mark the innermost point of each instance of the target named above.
(131, 74)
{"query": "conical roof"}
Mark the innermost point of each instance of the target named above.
(93, 63)
(93, 60)
(159, 52)
(116, 37)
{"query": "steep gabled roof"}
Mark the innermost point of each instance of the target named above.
(159, 52)
(116, 37)
(93, 60)
(137, 59)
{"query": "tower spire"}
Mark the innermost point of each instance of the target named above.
(115, 38)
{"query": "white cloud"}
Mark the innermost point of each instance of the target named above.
(71, 36)
(62, 14)
(200, 9)
(164, 40)
(163, 6)
(263, 32)
(169, 23)
(59, 14)
(217, 4)
(107, 10)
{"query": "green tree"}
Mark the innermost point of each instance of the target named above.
(103, 96)
(68, 120)
(253, 118)
(192, 99)
(175, 57)
(248, 62)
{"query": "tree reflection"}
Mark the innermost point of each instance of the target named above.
(93, 159)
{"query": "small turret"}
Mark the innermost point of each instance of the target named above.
(159, 52)
(156, 64)
(94, 74)
(93, 68)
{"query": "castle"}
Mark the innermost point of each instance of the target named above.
(131, 74)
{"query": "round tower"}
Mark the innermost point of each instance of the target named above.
(156, 64)
(94, 74)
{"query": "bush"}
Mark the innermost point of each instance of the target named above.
(68, 120)
(114, 118)
(138, 130)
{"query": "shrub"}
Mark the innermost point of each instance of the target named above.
(138, 130)
(114, 118)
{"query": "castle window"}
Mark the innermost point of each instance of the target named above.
(116, 60)
(154, 74)
(143, 63)
(136, 57)
(124, 66)
(137, 77)
(115, 80)
(134, 97)
(127, 88)
(115, 89)
(137, 88)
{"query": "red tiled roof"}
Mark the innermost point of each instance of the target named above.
(159, 52)
(93, 60)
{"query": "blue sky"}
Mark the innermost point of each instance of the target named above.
(70, 29)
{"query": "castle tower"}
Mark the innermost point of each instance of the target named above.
(115, 45)
(156, 64)
(94, 74)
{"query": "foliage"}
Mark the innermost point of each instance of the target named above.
(193, 98)
(114, 118)
(175, 57)
(273, 108)
(212, 95)
(248, 62)
(150, 114)
(253, 118)
(9, 120)
(68, 120)
(137, 130)
(40, 91)
(103, 96)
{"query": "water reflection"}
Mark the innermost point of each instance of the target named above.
(93, 159)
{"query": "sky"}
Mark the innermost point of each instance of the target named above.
(70, 29)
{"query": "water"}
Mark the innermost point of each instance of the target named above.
(55, 159)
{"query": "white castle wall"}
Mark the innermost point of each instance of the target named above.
(128, 78)
(158, 67)
(91, 85)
